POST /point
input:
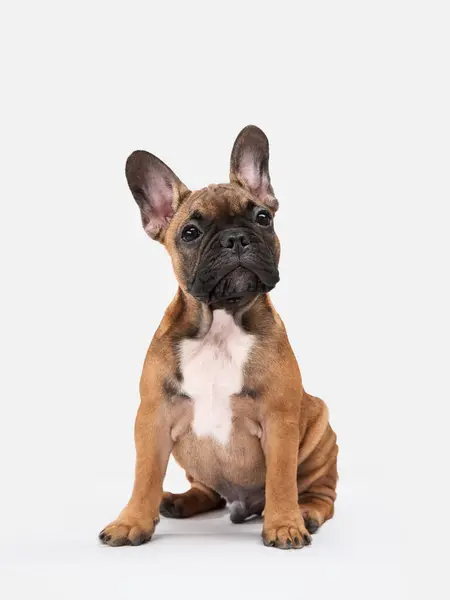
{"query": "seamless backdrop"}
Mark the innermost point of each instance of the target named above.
(354, 97)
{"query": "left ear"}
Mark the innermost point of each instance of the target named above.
(156, 189)
(249, 165)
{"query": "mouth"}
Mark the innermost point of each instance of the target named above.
(230, 279)
(237, 287)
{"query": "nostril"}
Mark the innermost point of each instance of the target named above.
(234, 239)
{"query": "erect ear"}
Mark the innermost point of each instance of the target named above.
(156, 189)
(249, 166)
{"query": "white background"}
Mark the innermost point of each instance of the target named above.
(355, 99)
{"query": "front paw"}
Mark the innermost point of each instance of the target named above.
(286, 533)
(128, 531)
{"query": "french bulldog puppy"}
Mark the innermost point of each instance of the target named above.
(221, 389)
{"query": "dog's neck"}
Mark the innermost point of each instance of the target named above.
(190, 318)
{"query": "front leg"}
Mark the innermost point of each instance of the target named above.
(284, 526)
(136, 523)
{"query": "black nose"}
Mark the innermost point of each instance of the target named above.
(234, 238)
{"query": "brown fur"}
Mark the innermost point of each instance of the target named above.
(281, 447)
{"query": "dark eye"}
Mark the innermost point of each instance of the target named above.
(263, 218)
(190, 233)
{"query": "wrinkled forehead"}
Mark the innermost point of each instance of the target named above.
(217, 201)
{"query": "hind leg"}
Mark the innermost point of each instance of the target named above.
(316, 498)
(199, 499)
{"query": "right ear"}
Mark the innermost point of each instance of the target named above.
(156, 189)
(249, 165)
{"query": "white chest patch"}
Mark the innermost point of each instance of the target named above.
(212, 371)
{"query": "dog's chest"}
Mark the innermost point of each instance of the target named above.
(213, 370)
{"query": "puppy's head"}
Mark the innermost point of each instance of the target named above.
(221, 238)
